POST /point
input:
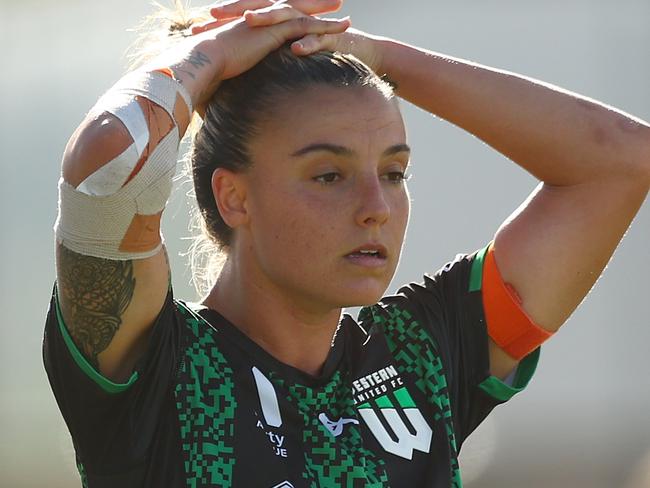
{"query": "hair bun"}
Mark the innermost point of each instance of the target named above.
(181, 27)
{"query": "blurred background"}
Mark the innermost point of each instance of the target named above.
(584, 420)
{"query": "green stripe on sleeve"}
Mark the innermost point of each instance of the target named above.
(476, 273)
(104, 383)
(498, 390)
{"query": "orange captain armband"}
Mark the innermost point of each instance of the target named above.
(508, 324)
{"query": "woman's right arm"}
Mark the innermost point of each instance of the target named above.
(122, 157)
(110, 295)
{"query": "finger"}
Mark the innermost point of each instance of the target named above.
(209, 25)
(303, 26)
(312, 43)
(274, 14)
(311, 7)
(236, 8)
(279, 12)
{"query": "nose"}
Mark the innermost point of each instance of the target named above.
(373, 208)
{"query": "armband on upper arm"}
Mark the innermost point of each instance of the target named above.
(115, 212)
(508, 324)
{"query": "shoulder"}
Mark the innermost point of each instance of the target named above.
(192, 321)
(438, 297)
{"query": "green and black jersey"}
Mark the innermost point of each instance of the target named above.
(401, 389)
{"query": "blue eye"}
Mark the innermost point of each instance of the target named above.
(327, 178)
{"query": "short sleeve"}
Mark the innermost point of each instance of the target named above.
(112, 424)
(448, 305)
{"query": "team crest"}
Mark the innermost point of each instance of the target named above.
(373, 394)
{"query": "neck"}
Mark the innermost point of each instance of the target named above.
(295, 333)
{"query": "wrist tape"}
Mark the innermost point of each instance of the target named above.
(115, 212)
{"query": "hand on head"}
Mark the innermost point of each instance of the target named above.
(268, 13)
(232, 10)
(222, 50)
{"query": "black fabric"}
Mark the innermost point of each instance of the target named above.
(454, 317)
(134, 438)
(117, 435)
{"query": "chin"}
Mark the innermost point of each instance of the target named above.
(356, 304)
(362, 297)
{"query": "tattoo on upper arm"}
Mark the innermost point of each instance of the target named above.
(94, 293)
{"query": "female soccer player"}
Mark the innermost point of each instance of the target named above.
(299, 169)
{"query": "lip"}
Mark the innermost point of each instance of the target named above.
(369, 261)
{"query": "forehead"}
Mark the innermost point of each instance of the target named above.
(347, 115)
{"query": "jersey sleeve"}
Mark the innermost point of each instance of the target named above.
(112, 424)
(449, 307)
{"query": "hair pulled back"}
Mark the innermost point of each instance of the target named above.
(233, 117)
(234, 112)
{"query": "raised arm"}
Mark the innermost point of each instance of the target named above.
(593, 162)
(112, 271)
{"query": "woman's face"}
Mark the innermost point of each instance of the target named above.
(326, 200)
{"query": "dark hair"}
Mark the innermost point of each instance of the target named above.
(242, 102)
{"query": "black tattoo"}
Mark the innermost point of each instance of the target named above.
(199, 59)
(94, 293)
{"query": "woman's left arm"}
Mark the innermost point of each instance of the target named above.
(593, 162)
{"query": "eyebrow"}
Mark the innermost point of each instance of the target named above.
(345, 151)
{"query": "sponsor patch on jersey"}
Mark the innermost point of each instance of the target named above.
(270, 413)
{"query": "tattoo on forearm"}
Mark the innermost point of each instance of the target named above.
(199, 59)
(94, 293)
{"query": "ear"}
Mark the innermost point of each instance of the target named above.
(229, 191)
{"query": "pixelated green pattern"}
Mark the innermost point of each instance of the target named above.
(415, 352)
(333, 462)
(206, 409)
(82, 475)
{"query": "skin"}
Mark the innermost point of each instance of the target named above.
(593, 163)
(297, 217)
(114, 343)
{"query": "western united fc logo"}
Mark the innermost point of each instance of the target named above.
(384, 393)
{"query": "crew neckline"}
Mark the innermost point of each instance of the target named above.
(221, 324)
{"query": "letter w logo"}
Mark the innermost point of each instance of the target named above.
(406, 442)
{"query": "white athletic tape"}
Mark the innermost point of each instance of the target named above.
(156, 86)
(110, 177)
(124, 107)
(95, 217)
